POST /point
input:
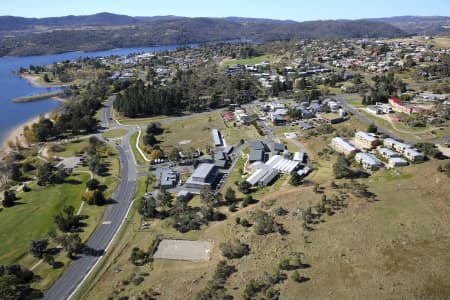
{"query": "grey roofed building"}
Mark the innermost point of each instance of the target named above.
(303, 172)
(217, 137)
(397, 162)
(277, 147)
(256, 145)
(227, 149)
(204, 175)
(262, 177)
(304, 125)
(306, 114)
(268, 178)
(315, 107)
(299, 156)
(220, 159)
(221, 163)
(256, 155)
(257, 176)
(219, 155)
(69, 163)
(368, 161)
(167, 178)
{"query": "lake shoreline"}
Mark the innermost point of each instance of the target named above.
(33, 80)
(15, 134)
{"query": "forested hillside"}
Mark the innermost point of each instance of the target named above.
(21, 36)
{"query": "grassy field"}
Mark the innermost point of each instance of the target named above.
(42, 203)
(70, 149)
(190, 133)
(395, 247)
(108, 153)
(114, 133)
(248, 61)
(233, 135)
(442, 42)
(137, 155)
(142, 121)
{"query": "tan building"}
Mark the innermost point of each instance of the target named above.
(365, 140)
(340, 145)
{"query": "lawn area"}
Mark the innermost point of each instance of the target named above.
(114, 133)
(233, 135)
(356, 104)
(190, 133)
(69, 149)
(108, 153)
(248, 61)
(137, 155)
(142, 121)
(42, 203)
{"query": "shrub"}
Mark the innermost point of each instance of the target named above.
(234, 249)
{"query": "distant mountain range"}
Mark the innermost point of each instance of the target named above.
(29, 36)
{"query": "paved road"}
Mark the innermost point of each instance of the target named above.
(104, 234)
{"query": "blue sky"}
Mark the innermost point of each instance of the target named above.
(299, 10)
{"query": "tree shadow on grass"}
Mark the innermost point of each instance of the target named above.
(73, 181)
(58, 265)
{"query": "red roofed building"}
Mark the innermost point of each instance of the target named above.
(399, 106)
(228, 116)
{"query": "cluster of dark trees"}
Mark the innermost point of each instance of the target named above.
(47, 174)
(215, 288)
(445, 169)
(185, 217)
(153, 129)
(139, 257)
(234, 249)
(77, 117)
(384, 87)
(429, 149)
(141, 100)
(188, 91)
(15, 283)
(67, 220)
(9, 198)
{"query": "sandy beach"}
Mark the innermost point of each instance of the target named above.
(34, 81)
(17, 134)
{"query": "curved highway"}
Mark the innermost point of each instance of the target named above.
(114, 216)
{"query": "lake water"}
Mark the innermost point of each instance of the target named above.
(11, 86)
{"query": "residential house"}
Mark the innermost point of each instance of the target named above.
(413, 155)
(366, 140)
(387, 153)
(397, 162)
(342, 146)
(396, 145)
(368, 161)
